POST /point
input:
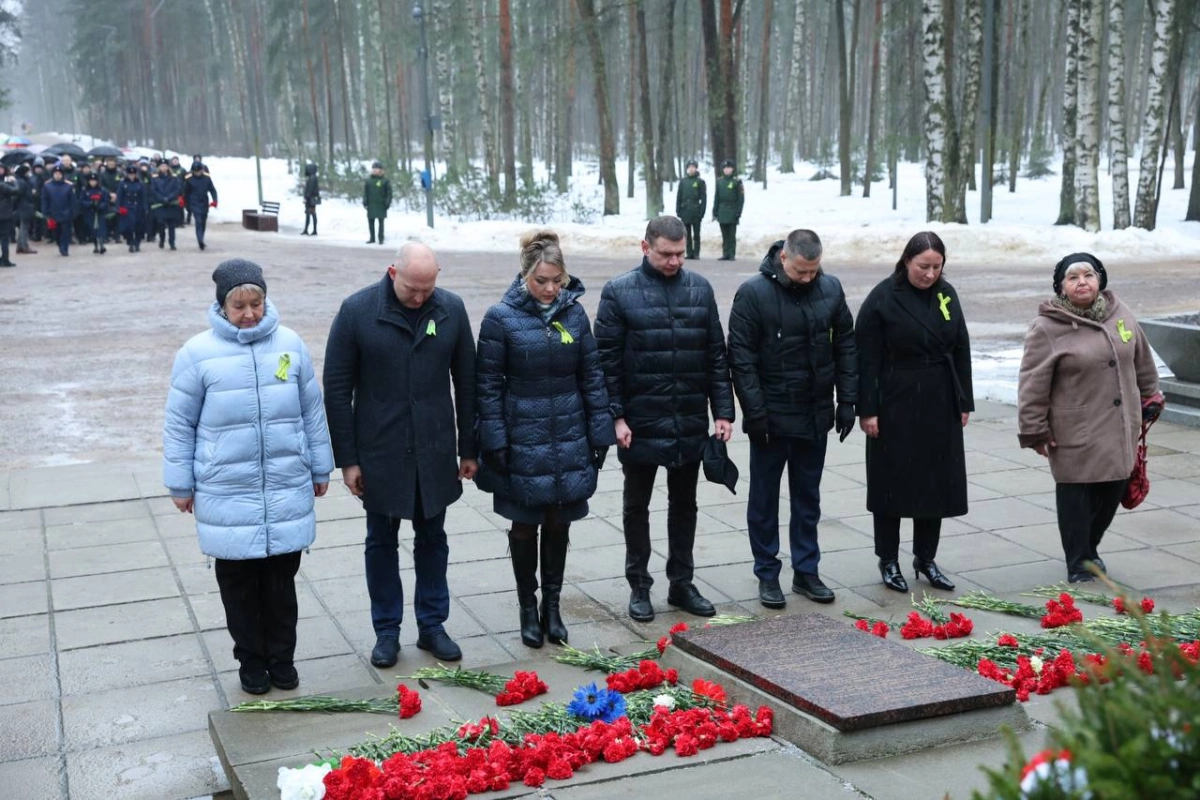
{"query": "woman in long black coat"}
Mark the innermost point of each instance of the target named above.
(915, 395)
(544, 423)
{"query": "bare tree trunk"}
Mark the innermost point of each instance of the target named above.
(1193, 209)
(963, 164)
(1118, 147)
(444, 75)
(714, 72)
(1017, 90)
(729, 82)
(654, 193)
(764, 108)
(666, 93)
(934, 78)
(1088, 122)
(1175, 124)
(490, 160)
(1067, 212)
(328, 95)
(794, 118)
(845, 81)
(1146, 209)
(508, 133)
(991, 93)
(312, 80)
(631, 110)
(608, 148)
(873, 113)
(565, 149)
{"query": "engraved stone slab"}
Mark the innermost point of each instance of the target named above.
(849, 679)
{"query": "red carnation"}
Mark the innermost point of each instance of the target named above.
(408, 700)
(1147, 605)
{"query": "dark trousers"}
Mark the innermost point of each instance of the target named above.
(99, 230)
(63, 234)
(5, 238)
(169, 230)
(681, 522)
(201, 226)
(1085, 510)
(926, 535)
(371, 223)
(693, 239)
(805, 461)
(431, 597)
(310, 213)
(259, 595)
(728, 240)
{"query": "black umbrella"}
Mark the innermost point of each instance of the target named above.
(65, 149)
(105, 150)
(14, 157)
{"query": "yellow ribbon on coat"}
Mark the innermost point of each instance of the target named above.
(431, 328)
(285, 362)
(1123, 332)
(563, 333)
(944, 304)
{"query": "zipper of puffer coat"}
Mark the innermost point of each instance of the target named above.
(262, 450)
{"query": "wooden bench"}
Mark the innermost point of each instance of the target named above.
(265, 220)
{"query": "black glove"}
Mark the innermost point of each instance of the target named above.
(757, 429)
(845, 420)
(598, 456)
(497, 460)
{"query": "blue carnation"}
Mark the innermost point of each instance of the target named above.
(591, 703)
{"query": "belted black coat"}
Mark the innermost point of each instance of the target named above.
(542, 398)
(789, 346)
(663, 353)
(914, 371)
(388, 400)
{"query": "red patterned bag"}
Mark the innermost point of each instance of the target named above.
(1139, 482)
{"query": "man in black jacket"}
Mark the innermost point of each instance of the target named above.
(663, 352)
(791, 341)
(392, 352)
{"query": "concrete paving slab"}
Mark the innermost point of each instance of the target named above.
(29, 730)
(1003, 580)
(89, 513)
(1150, 569)
(109, 558)
(86, 627)
(80, 484)
(1157, 527)
(1173, 492)
(25, 636)
(22, 567)
(129, 664)
(111, 588)
(18, 520)
(316, 637)
(176, 526)
(345, 507)
(184, 550)
(33, 779)
(104, 532)
(1190, 551)
(210, 613)
(1015, 483)
(481, 577)
(984, 548)
(340, 533)
(152, 769)
(466, 548)
(335, 674)
(118, 716)
(1006, 512)
(23, 599)
(464, 519)
(348, 595)
(22, 540)
(337, 562)
(26, 678)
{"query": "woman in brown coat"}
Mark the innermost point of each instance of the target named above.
(1087, 379)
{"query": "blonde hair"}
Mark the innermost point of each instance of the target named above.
(541, 247)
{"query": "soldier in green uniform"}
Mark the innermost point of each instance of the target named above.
(377, 197)
(691, 202)
(727, 208)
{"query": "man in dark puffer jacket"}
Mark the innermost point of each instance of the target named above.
(791, 340)
(663, 353)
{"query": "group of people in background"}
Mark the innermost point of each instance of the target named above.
(691, 202)
(102, 203)
(413, 405)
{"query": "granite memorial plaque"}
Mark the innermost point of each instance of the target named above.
(849, 679)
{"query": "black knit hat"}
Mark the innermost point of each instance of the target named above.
(728, 163)
(692, 163)
(235, 272)
(1060, 269)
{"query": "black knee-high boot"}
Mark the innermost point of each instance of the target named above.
(554, 563)
(524, 555)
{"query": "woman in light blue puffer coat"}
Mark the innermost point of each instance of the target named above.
(246, 448)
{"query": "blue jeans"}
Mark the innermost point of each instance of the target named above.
(431, 598)
(805, 461)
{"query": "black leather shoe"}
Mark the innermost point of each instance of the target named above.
(688, 598)
(1099, 562)
(811, 587)
(531, 627)
(440, 644)
(387, 648)
(255, 680)
(284, 676)
(640, 607)
(770, 595)
(893, 578)
(937, 579)
(1080, 577)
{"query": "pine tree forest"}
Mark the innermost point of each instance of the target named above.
(985, 93)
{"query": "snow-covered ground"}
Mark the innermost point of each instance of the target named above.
(854, 230)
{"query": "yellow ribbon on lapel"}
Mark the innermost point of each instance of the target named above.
(431, 328)
(285, 361)
(1124, 333)
(563, 333)
(944, 305)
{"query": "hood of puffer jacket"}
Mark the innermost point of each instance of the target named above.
(227, 330)
(772, 267)
(517, 297)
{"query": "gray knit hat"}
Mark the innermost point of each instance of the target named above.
(235, 272)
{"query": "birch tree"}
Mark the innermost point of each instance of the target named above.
(764, 105)
(1117, 146)
(1087, 154)
(961, 169)
(1146, 209)
(490, 162)
(443, 67)
(933, 75)
(794, 118)
(608, 148)
(1066, 197)
(508, 128)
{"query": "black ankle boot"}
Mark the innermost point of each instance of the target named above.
(893, 578)
(524, 556)
(554, 562)
(937, 579)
